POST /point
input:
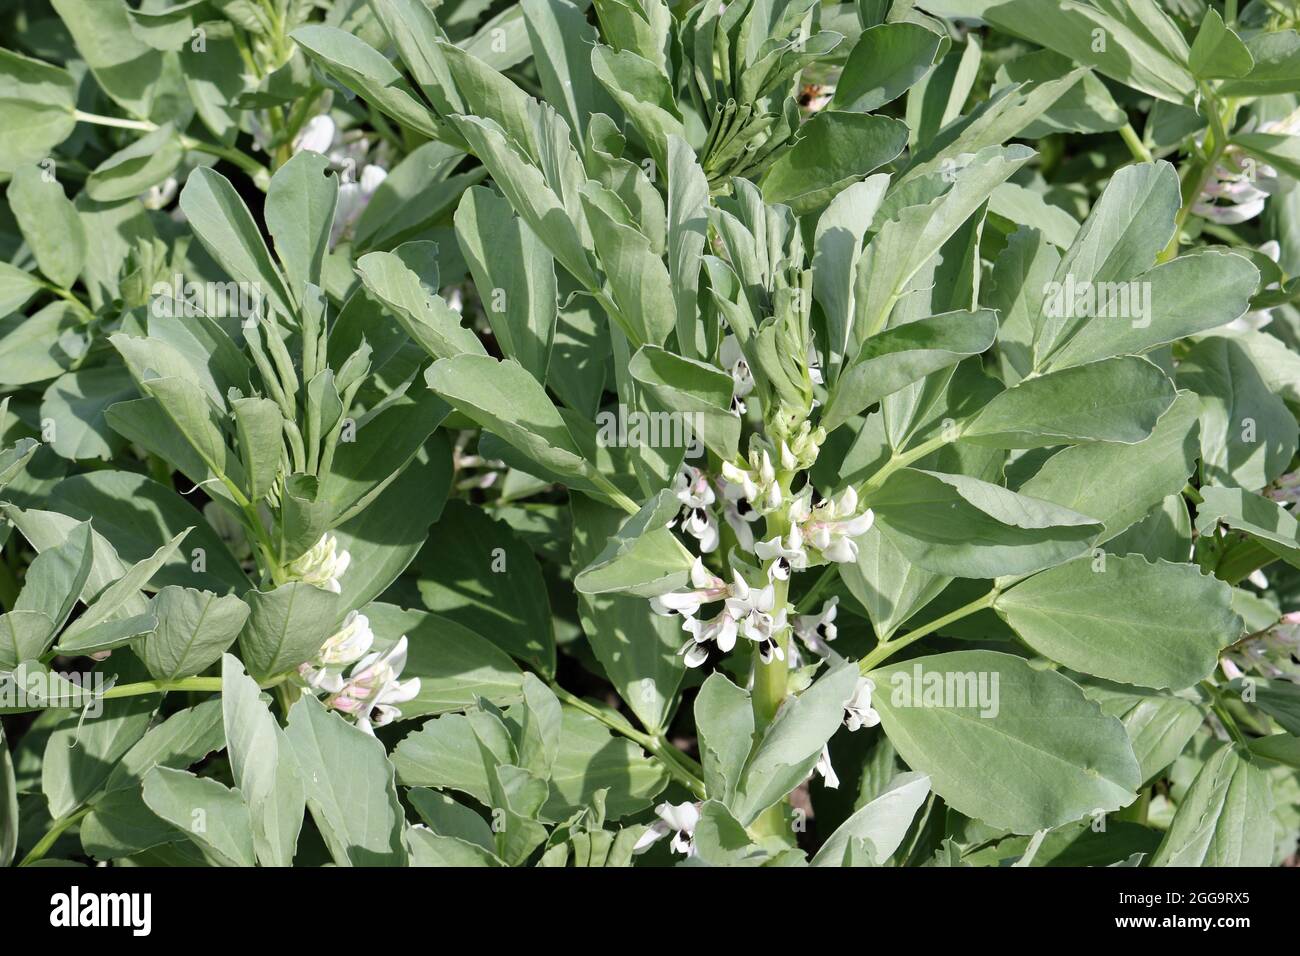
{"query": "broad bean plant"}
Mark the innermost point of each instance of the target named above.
(622, 432)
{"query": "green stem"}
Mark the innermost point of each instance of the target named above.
(903, 459)
(207, 684)
(1225, 717)
(1198, 173)
(260, 174)
(680, 766)
(55, 831)
(887, 649)
(1135, 144)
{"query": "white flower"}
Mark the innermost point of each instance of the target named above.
(317, 135)
(342, 649)
(739, 515)
(1239, 186)
(679, 820)
(1287, 490)
(706, 587)
(742, 379)
(322, 565)
(832, 525)
(692, 488)
(858, 711)
(354, 197)
(756, 484)
(373, 688)
(160, 195)
(785, 555)
(824, 768)
(815, 630)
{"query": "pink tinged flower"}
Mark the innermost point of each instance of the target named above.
(1230, 670)
(373, 688)
(706, 587)
(679, 820)
(342, 649)
(858, 711)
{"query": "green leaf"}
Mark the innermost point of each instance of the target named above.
(1193, 293)
(55, 580)
(136, 515)
(299, 213)
(789, 748)
(503, 398)
(724, 724)
(638, 651)
(1119, 484)
(834, 150)
(1142, 48)
(1276, 55)
(1225, 819)
(904, 354)
(1115, 400)
(350, 787)
(9, 822)
(36, 105)
(887, 585)
(119, 598)
(260, 426)
(356, 65)
(884, 63)
(697, 392)
(24, 636)
(262, 765)
(75, 403)
(456, 666)
(137, 168)
(227, 230)
(387, 534)
(964, 527)
(1125, 619)
(49, 223)
(688, 226)
(883, 822)
(642, 557)
(515, 276)
(211, 815)
(194, 629)
(1034, 754)
(286, 626)
(590, 759)
(80, 756)
(29, 350)
(1248, 435)
(1129, 225)
(427, 318)
(1217, 52)
(461, 574)
(636, 276)
(1267, 521)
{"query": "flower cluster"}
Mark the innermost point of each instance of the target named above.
(368, 692)
(1239, 186)
(1273, 654)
